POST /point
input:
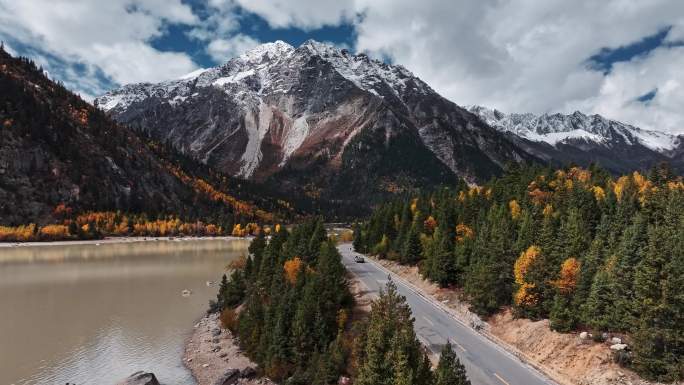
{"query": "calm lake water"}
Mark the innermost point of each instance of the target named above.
(89, 314)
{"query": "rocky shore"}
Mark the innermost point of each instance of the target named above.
(214, 358)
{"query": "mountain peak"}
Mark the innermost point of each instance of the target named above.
(270, 50)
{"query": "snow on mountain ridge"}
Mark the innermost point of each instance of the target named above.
(557, 128)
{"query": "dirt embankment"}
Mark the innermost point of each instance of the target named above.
(212, 354)
(566, 358)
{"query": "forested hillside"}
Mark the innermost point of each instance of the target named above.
(577, 246)
(290, 304)
(60, 156)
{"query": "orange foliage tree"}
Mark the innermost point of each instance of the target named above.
(292, 268)
(523, 297)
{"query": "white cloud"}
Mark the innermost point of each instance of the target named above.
(662, 71)
(221, 50)
(524, 55)
(305, 14)
(515, 55)
(109, 36)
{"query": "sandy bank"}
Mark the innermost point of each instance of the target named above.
(115, 240)
(209, 354)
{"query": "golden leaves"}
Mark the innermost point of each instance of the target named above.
(464, 232)
(515, 209)
(430, 224)
(569, 274)
(292, 268)
(523, 263)
(523, 297)
(599, 193)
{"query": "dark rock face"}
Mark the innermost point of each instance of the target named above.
(140, 378)
(317, 120)
(230, 377)
(248, 372)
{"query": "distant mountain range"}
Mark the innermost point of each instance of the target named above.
(57, 149)
(582, 139)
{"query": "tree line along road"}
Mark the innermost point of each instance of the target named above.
(485, 362)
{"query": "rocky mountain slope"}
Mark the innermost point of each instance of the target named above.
(57, 149)
(343, 127)
(583, 139)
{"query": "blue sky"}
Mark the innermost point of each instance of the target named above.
(176, 37)
(617, 58)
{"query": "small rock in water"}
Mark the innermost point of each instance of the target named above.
(140, 378)
(215, 332)
(210, 283)
(205, 365)
(215, 340)
(186, 292)
(222, 355)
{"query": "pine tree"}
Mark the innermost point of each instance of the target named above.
(658, 336)
(257, 246)
(412, 250)
(449, 370)
(596, 310)
(391, 353)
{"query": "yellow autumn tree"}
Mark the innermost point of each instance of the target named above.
(515, 209)
(619, 187)
(523, 296)
(292, 267)
(430, 224)
(461, 196)
(599, 193)
(464, 232)
(569, 274)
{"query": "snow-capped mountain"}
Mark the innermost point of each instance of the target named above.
(319, 117)
(556, 128)
(584, 138)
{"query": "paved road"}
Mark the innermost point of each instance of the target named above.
(485, 362)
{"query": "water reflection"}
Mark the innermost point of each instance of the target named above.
(90, 314)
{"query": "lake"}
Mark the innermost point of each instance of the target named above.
(94, 314)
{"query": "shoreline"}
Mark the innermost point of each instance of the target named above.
(212, 354)
(111, 240)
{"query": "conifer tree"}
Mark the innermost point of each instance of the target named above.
(449, 370)
(412, 250)
(391, 352)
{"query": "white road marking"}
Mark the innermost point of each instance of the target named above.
(501, 379)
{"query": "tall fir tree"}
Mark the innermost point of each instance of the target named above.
(449, 370)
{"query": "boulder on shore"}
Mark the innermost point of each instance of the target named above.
(248, 372)
(230, 377)
(140, 378)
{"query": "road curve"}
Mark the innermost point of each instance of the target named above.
(485, 362)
